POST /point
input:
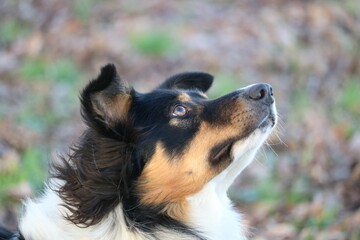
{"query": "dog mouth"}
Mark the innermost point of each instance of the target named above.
(269, 120)
(222, 152)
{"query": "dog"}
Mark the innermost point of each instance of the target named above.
(153, 165)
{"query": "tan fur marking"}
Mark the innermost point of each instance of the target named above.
(175, 122)
(177, 210)
(112, 109)
(183, 97)
(170, 181)
(120, 106)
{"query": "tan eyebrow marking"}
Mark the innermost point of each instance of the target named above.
(184, 97)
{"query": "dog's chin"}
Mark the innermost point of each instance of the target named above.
(242, 152)
(236, 147)
(268, 123)
(249, 145)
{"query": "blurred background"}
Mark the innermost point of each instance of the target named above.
(305, 184)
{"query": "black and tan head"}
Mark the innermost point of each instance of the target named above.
(151, 151)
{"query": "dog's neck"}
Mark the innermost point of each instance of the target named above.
(213, 213)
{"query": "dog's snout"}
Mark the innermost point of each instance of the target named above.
(261, 92)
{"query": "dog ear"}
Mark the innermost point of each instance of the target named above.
(106, 100)
(189, 80)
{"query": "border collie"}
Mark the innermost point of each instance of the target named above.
(153, 165)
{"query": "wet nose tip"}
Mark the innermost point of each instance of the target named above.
(261, 92)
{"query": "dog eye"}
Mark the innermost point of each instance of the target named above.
(179, 111)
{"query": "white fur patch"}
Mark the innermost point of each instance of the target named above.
(44, 220)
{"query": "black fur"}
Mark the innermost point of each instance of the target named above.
(97, 174)
(102, 168)
(8, 235)
(153, 112)
(108, 85)
(5, 234)
(191, 80)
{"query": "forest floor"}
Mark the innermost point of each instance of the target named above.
(305, 184)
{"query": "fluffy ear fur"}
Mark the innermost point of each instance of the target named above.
(191, 80)
(97, 174)
(106, 100)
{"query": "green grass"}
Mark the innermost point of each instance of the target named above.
(33, 162)
(32, 121)
(267, 190)
(56, 99)
(34, 69)
(10, 30)
(82, 9)
(65, 70)
(354, 235)
(324, 219)
(270, 192)
(300, 102)
(31, 169)
(299, 191)
(154, 43)
(42, 69)
(53, 100)
(225, 82)
(38, 115)
(350, 99)
(352, 7)
(346, 112)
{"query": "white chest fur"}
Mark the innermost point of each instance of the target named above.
(214, 216)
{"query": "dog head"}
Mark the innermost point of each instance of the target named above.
(156, 149)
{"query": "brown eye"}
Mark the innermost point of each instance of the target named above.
(179, 111)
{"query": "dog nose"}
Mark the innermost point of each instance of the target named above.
(261, 92)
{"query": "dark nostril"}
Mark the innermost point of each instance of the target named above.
(259, 91)
(262, 93)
